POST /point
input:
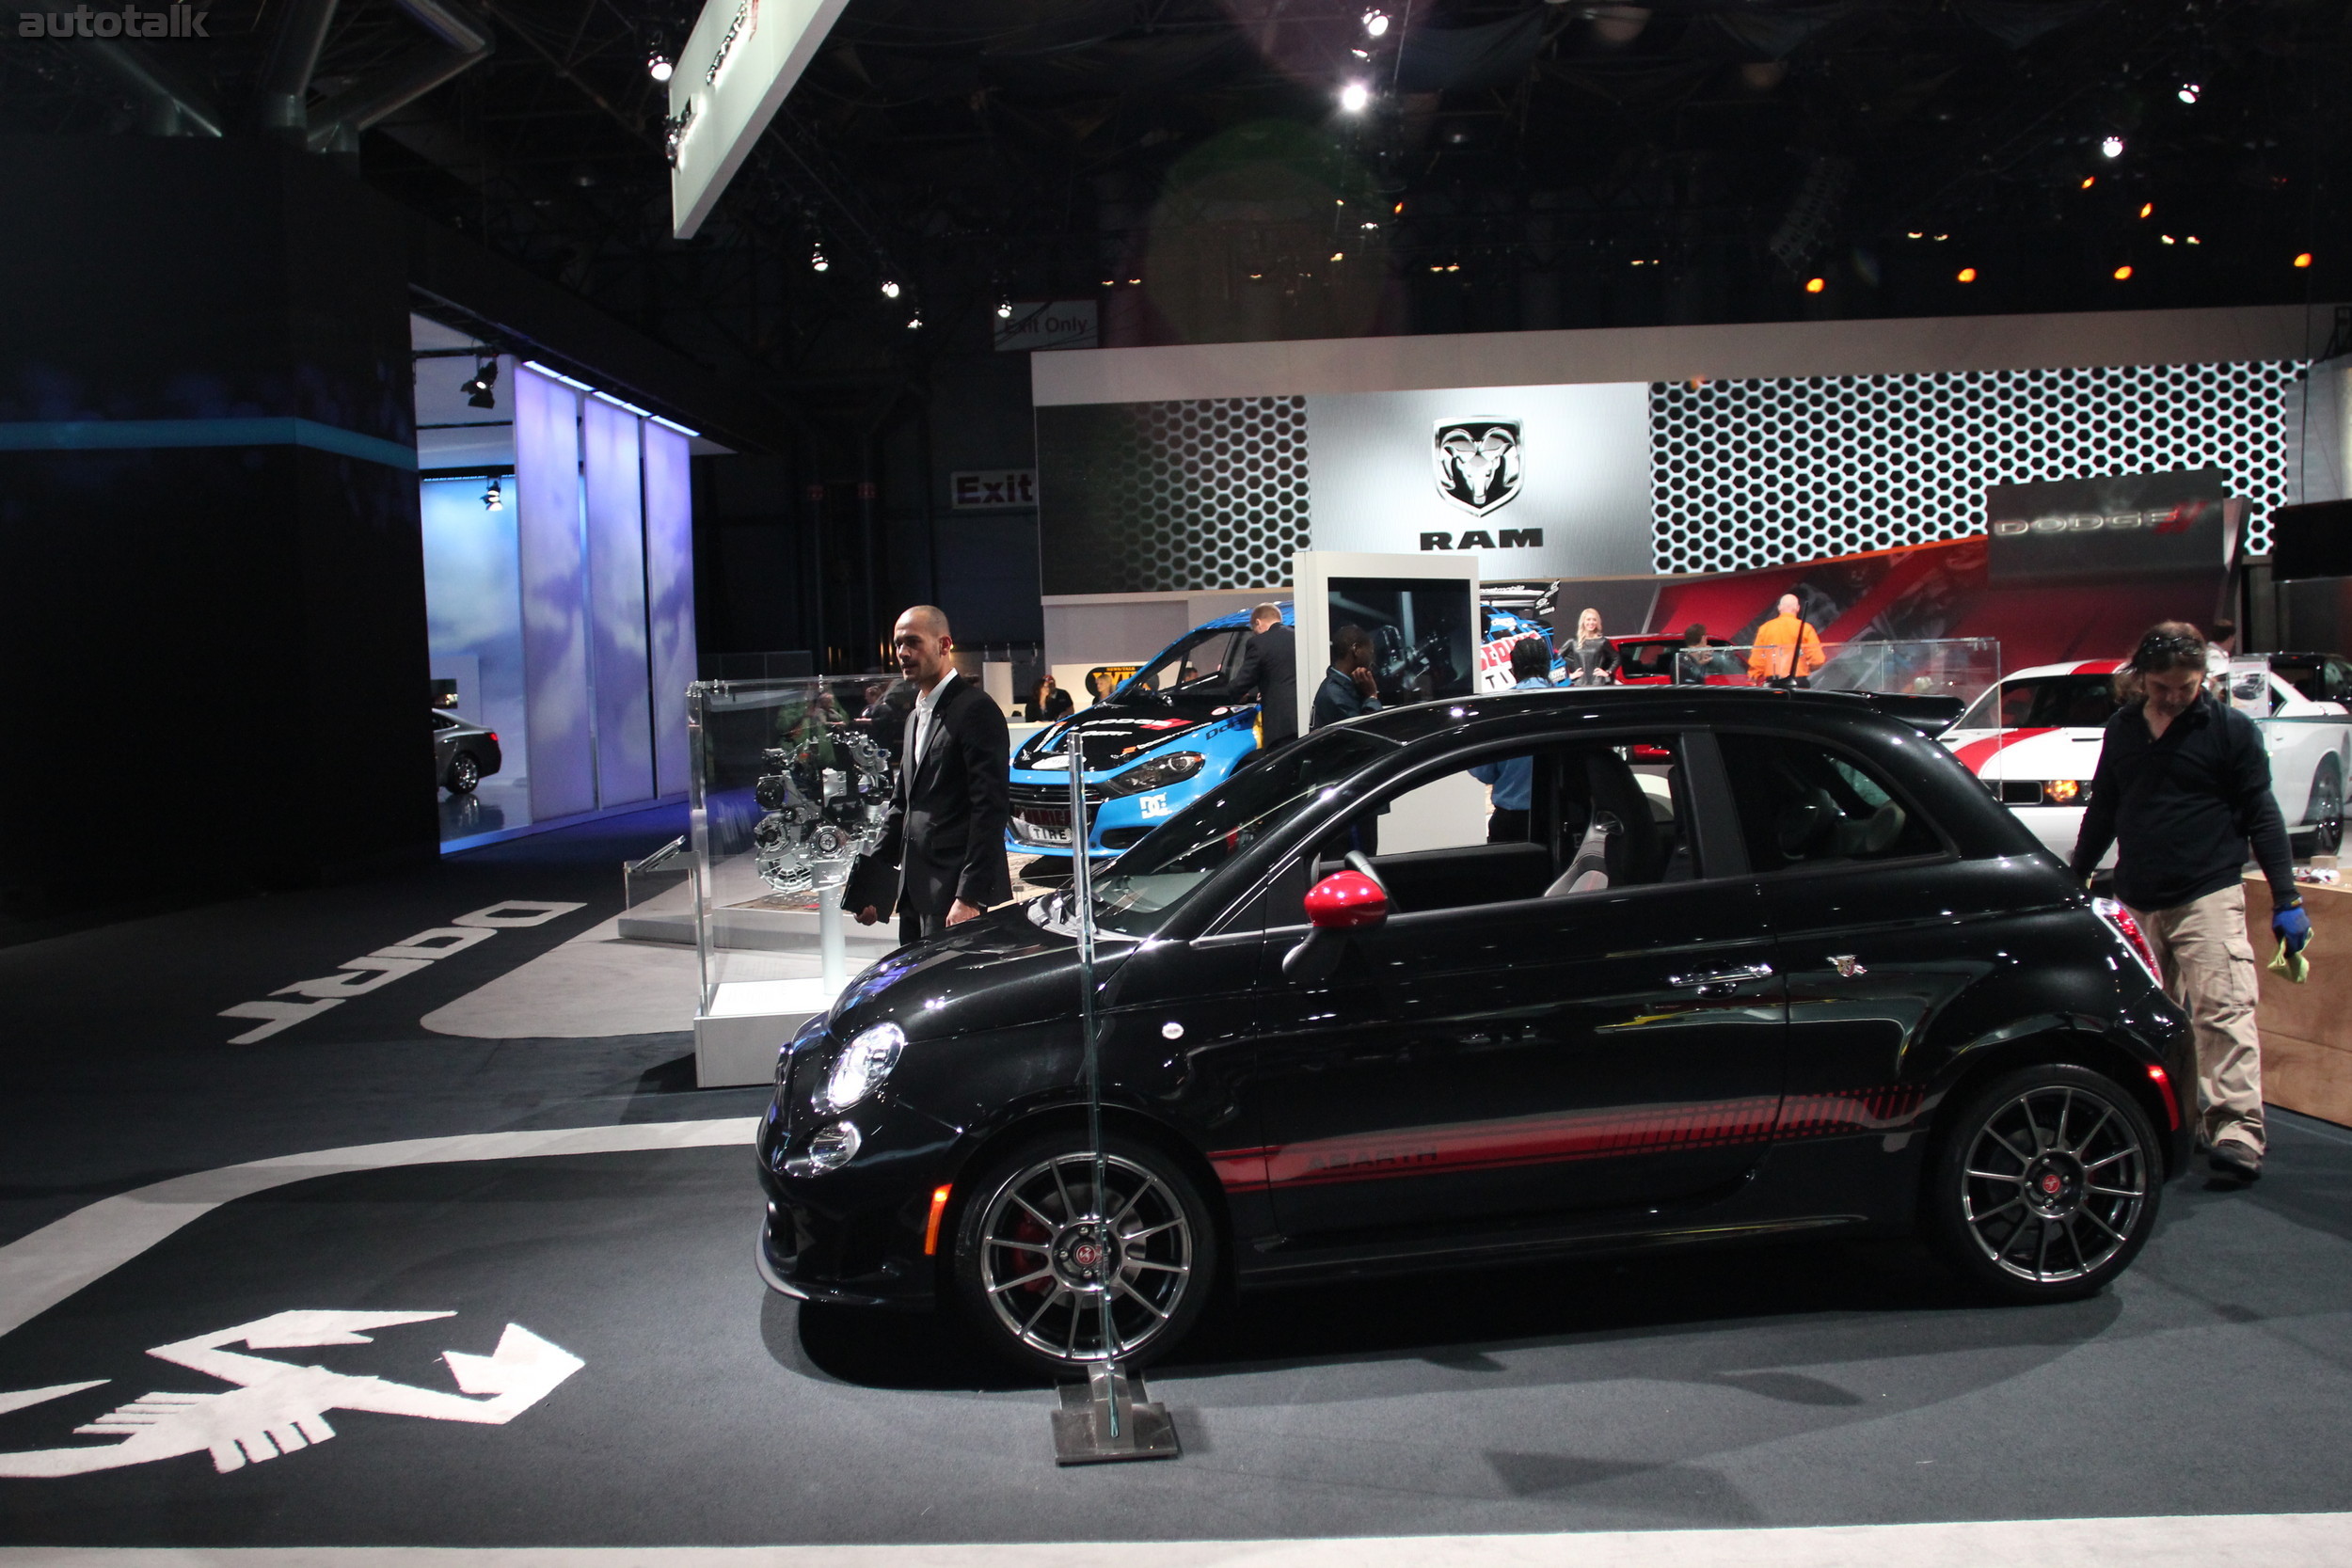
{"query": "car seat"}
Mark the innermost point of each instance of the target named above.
(1620, 847)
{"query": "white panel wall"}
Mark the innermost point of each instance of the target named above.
(617, 603)
(670, 597)
(555, 620)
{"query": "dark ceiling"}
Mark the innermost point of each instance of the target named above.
(1519, 164)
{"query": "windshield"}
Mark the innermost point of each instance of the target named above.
(1199, 659)
(1142, 885)
(2044, 701)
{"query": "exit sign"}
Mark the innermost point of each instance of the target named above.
(992, 489)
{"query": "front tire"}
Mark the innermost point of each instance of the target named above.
(1034, 1257)
(464, 774)
(2042, 1184)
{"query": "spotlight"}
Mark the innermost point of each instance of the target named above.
(1815, 285)
(1110, 283)
(2111, 148)
(2147, 209)
(2303, 259)
(493, 499)
(1135, 282)
(914, 323)
(817, 261)
(1375, 23)
(2089, 181)
(1341, 256)
(890, 288)
(1398, 210)
(2190, 92)
(659, 66)
(2193, 240)
(478, 390)
(2123, 273)
(1003, 310)
(1915, 234)
(1940, 238)
(2166, 238)
(1353, 97)
(1967, 275)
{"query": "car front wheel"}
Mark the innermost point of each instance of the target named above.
(464, 774)
(2044, 1184)
(1040, 1256)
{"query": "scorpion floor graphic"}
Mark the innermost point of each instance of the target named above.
(278, 1407)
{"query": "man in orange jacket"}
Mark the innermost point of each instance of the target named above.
(1786, 646)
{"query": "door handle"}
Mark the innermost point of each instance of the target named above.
(1720, 982)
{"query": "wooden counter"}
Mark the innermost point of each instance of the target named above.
(2307, 1029)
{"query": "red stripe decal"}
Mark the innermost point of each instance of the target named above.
(1550, 1140)
(1977, 753)
(2099, 667)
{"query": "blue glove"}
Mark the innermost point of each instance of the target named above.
(2293, 927)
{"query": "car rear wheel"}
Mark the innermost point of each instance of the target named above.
(464, 774)
(2327, 813)
(2044, 1184)
(1037, 1256)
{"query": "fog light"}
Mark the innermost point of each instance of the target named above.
(2062, 792)
(830, 1149)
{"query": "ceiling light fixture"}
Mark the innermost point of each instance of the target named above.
(1135, 282)
(2190, 92)
(2193, 240)
(1339, 256)
(659, 66)
(2123, 273)
(890, 288)
(2166, 238)
(1916, 234)
(494, 500)
(1355, 97)
(478, 390)
(1815, 285)
(2303, 259)
(914, 323)
(2089, 181)
(1003, 310)
(1377, 22)
(1967, 275)
(817, 261)
(2147, 209)
(2111, 147)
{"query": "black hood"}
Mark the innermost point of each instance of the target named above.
(995, 973)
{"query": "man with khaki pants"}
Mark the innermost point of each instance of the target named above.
(2182, 789)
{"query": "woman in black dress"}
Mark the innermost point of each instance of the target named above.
(1592, 659)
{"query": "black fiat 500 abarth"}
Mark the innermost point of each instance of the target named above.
(1749, 964)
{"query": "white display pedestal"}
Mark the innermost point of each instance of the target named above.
(737, 1036)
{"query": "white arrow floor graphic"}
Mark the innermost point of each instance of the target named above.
(276, 1407)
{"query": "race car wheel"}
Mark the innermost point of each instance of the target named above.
(1038, 1254)
(464, 774)
(2327, 813)
(2043, 1183)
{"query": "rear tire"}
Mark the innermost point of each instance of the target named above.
(2326, 810)
(2043, 1183)
(464, 774)
(1031, 1259)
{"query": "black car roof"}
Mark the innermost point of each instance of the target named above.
(1634, 703)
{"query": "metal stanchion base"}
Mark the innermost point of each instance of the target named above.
(1082, 1426)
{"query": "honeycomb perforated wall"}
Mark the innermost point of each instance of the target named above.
(1154, 497)
(1765, 472)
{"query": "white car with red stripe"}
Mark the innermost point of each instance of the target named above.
(2035, 739)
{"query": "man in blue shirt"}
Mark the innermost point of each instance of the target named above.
(1510, 783)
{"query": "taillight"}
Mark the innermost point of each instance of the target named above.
(2124, 926)
(494, 735)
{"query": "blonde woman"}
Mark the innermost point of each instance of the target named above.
(1592, 659)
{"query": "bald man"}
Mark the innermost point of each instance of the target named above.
(1787, 649)
(946, 831)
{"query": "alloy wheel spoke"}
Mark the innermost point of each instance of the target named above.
(1051, 1225)
(1137, 1296)
(2041, 1252)
(1042, 1307)
(2123, 1154)
(2103, 1224)
(1069, 1209)
(1016, 1284)
(2106, 1114)
(2057, 1134)
(1994, 1133)
(1163, 1268)
(2111, 1192)
(1150, 1231)
(2018, 1180)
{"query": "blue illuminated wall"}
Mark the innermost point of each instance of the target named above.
(473, 604)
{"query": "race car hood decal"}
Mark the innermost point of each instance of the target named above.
(1107, 741)
(1974, 754)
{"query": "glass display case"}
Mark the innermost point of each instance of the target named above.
(790, 782)
(1960, 667)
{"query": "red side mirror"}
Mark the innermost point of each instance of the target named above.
(1346, 901)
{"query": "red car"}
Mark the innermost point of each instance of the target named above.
(1650, 661)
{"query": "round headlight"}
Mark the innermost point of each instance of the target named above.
(861, 1067)
(830, 1149)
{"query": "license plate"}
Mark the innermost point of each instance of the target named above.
(1037, 832)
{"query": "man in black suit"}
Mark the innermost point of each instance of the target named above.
(946, 831)
(1269, 668)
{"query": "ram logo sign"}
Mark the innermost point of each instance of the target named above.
(1480, 463)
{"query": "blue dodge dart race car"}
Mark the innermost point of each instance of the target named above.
(1170, 732)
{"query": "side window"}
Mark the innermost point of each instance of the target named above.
(1802, 804)
(443, 721)
(2339, 682)
(1206, 658)
(1553, 822)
